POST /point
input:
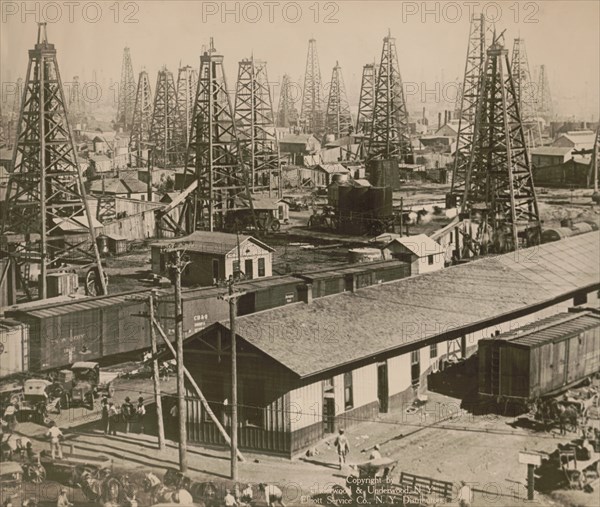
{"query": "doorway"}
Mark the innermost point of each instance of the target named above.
(382, 386)
(415, 367)
(248, 265)
(328, 406)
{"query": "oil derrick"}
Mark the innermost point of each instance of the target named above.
(13, 116)
(544, 99)
(526, 94)
(389, 138)
(187, 81)
(366, 103)
(311, 115)
(255, 126)
(287, 114)
(338, 117)
(75, 102)
(220, 177)
(142, 120)
(499, 193)
(458, 101)
(127, 92)
(45, 192)
(166, 143)
(467, 110)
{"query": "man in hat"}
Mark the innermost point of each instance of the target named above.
(127, 412)
(63, 499)
(342, 446)
(55, 435)
(140, 411)
(247, 494)
(229, 499)
(272, 494)
(112, 419)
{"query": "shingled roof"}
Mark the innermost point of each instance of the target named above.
(330, 332)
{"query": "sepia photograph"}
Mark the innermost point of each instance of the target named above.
(299, 253)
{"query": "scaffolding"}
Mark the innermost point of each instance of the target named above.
(312, 115)
(338, 118)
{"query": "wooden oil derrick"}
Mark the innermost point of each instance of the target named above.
(312, 115)
(164, 136)
(187, 82)
(499, 193)
(287, 114)
(46, 201)
(254, 121)
(127, 93)
(142, 120)
(526, 92)
(338, 117)
(366, 104)
(544, 98)
(390, 135)
(469, 95)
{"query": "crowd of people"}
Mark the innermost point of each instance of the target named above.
(123, 417)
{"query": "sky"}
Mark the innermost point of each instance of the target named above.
(431, 39)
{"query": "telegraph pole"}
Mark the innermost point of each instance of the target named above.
(156, 375)
(178, 265)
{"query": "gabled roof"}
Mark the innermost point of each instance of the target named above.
(297, 138)
(134, 185)
(338, 331)
(111, 186)
(420, 245)
(551, 150)
(212, 242)
(332, 168)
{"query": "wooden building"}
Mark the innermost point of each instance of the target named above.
(215, 256)
(307, 368)
(423, 253)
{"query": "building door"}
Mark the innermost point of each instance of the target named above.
(328, 406)
(415, 367)
(382, 386)
(248, 265)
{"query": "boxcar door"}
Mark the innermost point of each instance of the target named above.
(382, 386)
(328, 406)
(559, 357)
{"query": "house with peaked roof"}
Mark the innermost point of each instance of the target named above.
(578, 140)
(423, 253)
(215, 256)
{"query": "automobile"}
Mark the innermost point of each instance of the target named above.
(36, 398)
(11, 483)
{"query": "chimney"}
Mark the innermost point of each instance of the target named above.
(449, 115)
(423, 113)
(306, 293)
(445, 116)
(439, 120)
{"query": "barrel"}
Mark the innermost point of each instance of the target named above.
(556, 234)
(582, 228)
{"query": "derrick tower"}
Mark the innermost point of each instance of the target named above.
(287, 114)
(338, 117)
(255, 126)
(311, 115)
(389, 136)
(166, 144)
(75, 101)
(366, 103)
(142, 120)
(544, 99)
(469, 98)
(127, 92)
(45, 194)
(526, 93)
(187, 82)
(499, 193)
(213, 155)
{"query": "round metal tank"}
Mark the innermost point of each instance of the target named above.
(332, 194)
(380, 201)
(556, 234)
(592, 224)
(344, 196)
(364, 255)
(582, 228)
(359, 199)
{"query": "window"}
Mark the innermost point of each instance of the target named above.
(261, 266)
(430, 259)
(216, 270)
(348, 394)
(414, 357)
(433, 350)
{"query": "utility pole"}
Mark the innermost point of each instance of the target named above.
(156, 375)
(178, 265)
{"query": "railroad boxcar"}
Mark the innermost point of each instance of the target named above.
(14, 345)
(540, 359)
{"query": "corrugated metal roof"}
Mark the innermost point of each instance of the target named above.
(551, 329)
(345, 328)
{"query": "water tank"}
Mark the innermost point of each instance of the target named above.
(556, 234)
(344, 193)
(380, 201)
(332, 194)
(359, 199)
(364, 255)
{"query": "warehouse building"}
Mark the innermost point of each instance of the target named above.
(307, 368)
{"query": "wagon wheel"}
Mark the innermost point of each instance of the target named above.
(92, 282)
(275, 225)
(35, 473)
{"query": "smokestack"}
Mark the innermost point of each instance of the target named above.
(439, 120)
(445, 116)
(449, 115)
(423, 112)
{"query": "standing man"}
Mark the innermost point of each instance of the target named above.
(375, 453)
(63, 499)
(55, 435)
(272, 494)
(341, 443)
(141, 413)
(104, 408)
(127, 412)
(465, 495)
(113, 415)
(10, 416)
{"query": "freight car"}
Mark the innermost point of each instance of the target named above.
(14, 342)
(541, 359)
(558, 233)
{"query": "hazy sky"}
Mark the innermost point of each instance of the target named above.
(431, 38)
